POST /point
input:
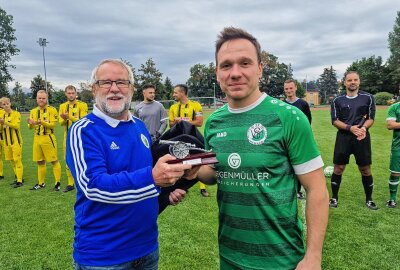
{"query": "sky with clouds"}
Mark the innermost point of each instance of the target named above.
(310, 34)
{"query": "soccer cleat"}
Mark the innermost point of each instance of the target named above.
(300, 196)
(204, 193)
(57, 186)
(391, 203)
(37, 186)
(18, 184)
(371, 205)
(333, 203)
(1, 177)
(68, 188)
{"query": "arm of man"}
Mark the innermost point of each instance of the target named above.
(163, 121)
(198, 117)
(307, 112)
(63, 115)
(392, 124)
(53, 119)
(89, 166)
(206, 175)
(316, 216)
(198, 121)
(15, 121)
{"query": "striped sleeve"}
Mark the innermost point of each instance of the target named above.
(86, 161)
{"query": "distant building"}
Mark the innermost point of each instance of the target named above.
(312, 97)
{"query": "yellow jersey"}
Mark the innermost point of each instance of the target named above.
(75, 112)
(12, 125)
(186, 112)
(48, 117)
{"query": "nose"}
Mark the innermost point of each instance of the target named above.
(114, 87)
(236, 71)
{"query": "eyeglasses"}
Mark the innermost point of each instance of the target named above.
(108, 83)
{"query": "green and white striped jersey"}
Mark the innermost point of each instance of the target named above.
(260, 150)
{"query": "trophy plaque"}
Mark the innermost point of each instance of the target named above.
(181, 150)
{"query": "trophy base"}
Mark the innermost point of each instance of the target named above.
(197, 159)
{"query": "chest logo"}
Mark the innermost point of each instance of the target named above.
(222, 134)
(257, 134)
(145, 141)
(234, 160)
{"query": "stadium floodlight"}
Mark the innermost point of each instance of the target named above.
(215, 104)
(42, 43)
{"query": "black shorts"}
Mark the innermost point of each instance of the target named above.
(347, 144)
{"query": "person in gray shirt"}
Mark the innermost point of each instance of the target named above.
(152, 112)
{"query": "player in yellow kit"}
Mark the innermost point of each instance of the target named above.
(1, 141)
(70, 112)
(186, 110)
(12, 139)
(43, 119)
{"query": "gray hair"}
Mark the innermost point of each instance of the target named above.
(93, 78)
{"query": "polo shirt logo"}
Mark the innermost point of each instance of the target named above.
(114, 146)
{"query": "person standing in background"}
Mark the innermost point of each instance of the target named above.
(152, 113)
(393, 123)
(189, 111)
(290, 89)
(12, 139)
(353, 114)
(70, 111)
(2, 142)
(43, 119)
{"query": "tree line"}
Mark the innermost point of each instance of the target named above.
(376, 75)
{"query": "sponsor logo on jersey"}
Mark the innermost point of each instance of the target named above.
(114, 146)
(234, 160)
(257, 134)
(222, 134)
(145, 141)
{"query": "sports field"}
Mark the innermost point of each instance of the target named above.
(36, 227)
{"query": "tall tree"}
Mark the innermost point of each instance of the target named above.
(37, 84)
(274, 74)
(168, 88)
(301, 92)
(328, 84)
(394, 58)
(149, 74)
(85, 93)
(7, 49)
(202, 81)
(372, 72)
(18, 96)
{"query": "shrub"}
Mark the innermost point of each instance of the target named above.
(382, 98)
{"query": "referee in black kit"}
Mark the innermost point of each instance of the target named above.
(353, 114)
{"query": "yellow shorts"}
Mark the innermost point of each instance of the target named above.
(13, 152)
(45, 148)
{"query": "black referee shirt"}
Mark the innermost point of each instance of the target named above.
(351, 110)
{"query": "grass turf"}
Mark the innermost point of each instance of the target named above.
(36, 227)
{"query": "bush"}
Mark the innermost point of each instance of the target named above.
(382, 98)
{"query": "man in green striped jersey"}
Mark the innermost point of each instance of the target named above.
(393, 123)
(261, 145)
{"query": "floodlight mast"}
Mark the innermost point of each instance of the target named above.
(42, 43)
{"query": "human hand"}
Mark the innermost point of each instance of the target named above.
(176, 196)
(192, 173)
(307, 264)
(1, 121)
(362, 133)
(64, 115)
(165, 174)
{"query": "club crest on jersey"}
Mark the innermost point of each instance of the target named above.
(145, 141)
(257, 134)
(234, 160)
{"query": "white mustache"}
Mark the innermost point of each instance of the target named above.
(113, 96)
